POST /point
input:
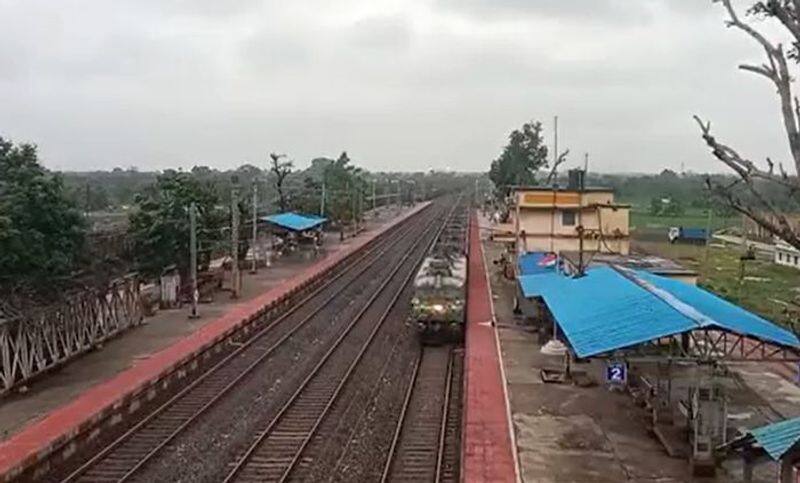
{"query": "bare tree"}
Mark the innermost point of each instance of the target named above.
(749, 193)
(560, 159)
(281, 170)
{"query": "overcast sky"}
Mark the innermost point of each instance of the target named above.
(400, 85)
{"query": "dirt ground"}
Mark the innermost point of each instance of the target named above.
(566, 433)
(161, 330)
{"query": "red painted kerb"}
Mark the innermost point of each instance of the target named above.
(488, 453)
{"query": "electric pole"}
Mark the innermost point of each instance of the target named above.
(236, 281)
(374, 205)
(353, 208)
(322, 199)
(193, 257)
(555, 149)
(255, 228)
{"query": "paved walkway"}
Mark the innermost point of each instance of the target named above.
(488, 447)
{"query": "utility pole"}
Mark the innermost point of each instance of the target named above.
(399, 191)
(360, 204)
(193, 257)
(235, 280)
(255, 228)
(353, 208)
(581, 267)
(374, 205)
(708, 238)
(555, 148)
(322, 199)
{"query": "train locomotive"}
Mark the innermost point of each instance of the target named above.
(439, 301)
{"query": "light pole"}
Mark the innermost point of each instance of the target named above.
(255, 227)
(193, 257)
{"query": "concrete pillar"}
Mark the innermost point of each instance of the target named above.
(787, 471)
(747, 471)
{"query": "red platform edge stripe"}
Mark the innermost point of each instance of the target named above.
(488, 449)
(40, 438)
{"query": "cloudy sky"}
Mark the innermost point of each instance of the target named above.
(399, 84)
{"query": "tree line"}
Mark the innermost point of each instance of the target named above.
(53, 225)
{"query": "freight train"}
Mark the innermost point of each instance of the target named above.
(439, 301)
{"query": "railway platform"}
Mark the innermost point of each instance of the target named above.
(488, 447)
(65, 429)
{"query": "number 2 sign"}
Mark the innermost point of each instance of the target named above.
(617, 373)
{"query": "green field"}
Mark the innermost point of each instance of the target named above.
(692, 218)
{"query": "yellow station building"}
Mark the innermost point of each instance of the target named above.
(551, 219)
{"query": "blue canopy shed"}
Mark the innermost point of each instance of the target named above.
(295, 221)
(613, 308)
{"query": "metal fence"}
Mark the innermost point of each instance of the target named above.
(31, 344)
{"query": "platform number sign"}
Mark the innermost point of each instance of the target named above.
(616, 372)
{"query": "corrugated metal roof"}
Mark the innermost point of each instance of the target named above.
(605, 311)
(778, 438)
(722, 313)
(529, 263)
(293, 221)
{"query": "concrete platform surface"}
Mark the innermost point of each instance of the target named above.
(488, 451)
(566, 433)
(84, 389)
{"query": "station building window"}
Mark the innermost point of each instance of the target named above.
(568, 218)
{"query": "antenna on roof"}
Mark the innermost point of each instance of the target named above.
(555, 148)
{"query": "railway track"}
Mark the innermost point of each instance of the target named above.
(426, 443)
(128, 454)
(278, 450)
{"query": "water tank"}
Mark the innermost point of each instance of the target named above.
(575, 179)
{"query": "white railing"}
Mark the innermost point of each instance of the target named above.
(35, 343)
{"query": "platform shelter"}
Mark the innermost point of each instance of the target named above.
(294, 229)
(779, 442)
(627, 316)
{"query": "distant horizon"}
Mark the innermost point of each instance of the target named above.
(265, 168)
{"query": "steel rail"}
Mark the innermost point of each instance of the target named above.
(445, 415)
(387, 467)
(309, 434)
(381, 249)
(402, 422)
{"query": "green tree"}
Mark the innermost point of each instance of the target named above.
(656, 206)
(521, 159)
(41, 229)
(279, 171)
(159, 224)
(673, 208)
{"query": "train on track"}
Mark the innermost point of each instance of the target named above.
(438, 305)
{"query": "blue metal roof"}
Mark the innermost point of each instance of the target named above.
(722, 313)
(778, 438)
(605, 310)
(529, 263)
(294, 221)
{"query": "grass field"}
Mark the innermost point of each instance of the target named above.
(770, 290)
(692, 218)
